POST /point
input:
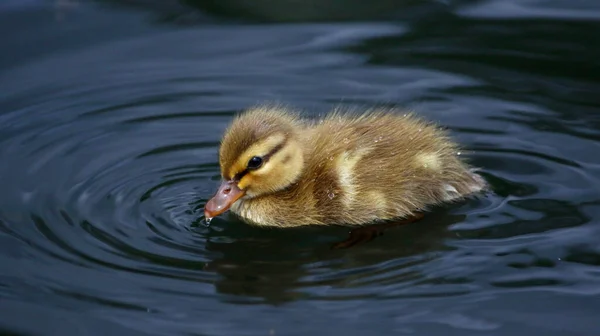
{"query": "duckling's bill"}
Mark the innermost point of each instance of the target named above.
(228, 193)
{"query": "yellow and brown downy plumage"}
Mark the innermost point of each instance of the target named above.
(347, 169)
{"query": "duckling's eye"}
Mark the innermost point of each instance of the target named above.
(255, 162)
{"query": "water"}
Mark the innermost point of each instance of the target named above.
(110, 118)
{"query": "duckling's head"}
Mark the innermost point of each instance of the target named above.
(260, 153)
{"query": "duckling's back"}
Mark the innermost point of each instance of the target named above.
(382, 165)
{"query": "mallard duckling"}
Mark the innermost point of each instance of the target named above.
(282, 170)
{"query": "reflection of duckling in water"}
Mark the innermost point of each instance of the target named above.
(281, 170)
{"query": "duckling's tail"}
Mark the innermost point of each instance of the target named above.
(473, 185)
(480, 184)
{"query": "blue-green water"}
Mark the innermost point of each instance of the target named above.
(110, 117)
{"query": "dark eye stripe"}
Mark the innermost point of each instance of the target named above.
(239, 175)
(274, 151)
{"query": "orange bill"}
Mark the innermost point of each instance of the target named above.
(227, 194)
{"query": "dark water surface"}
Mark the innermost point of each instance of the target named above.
(110, 117)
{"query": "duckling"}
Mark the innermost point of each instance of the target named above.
(282, 170)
